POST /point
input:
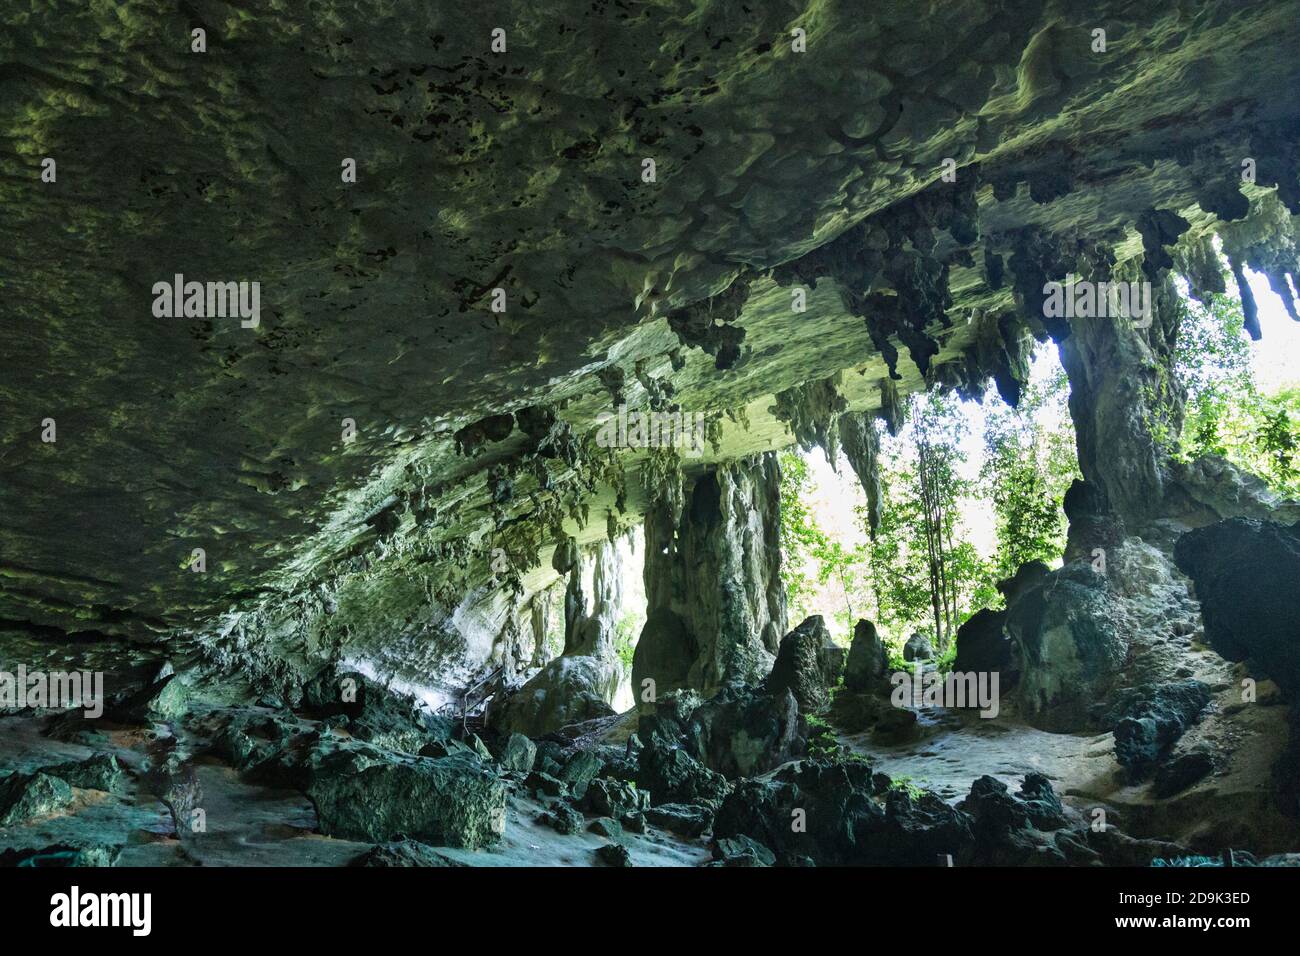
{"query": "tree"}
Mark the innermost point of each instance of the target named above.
(1030, 461)
(919, 566)
(1226, 412)
(801, 537)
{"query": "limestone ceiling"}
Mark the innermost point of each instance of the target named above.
(520, 170)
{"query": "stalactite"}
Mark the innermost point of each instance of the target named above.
(1198, 263)
(539, 613)
(891, 412)
(1249, 308)
(812, 411)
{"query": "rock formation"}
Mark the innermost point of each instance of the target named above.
(488, 302)
(715, 600)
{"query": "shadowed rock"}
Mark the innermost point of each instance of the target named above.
(1246, 574)
(808, 665)
(868, 660)
(450, 801)
(23, 796)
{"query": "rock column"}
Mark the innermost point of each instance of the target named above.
(716, 602)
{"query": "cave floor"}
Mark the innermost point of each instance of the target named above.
(1232, 807)
(254, 825)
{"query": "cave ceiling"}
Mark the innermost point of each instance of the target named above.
(775, 169)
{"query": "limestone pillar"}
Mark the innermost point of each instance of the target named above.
(716, 602)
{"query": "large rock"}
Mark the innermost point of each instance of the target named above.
(680, 818)
(404, 853)
(740, 732)
(23, 796)
(1150, 719)
(918, 648)
(805, 665)
(1247, 573)
(1071, 641)
(518, 754)
(1010, 828)
(373, 713)
(868, 659)
(614, 798)
(984, 647)
(450, 801)
(98, 772)
(671, 775)
(827, 813)
(568, 690)
(59, 855)
(164, 699)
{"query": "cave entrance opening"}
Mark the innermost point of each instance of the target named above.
(968, 492)
(631, 613)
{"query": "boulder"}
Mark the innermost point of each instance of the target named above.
(372, 712)
(562, 818)
(98, 772)
(165, 699)
(740, 732)
(806, 665)
(545, 784)
(671, 775)
(614, 854)
(62, 855)
(568, 690)
(1071, 641)
(404, 853)
(24, 795)
(1150, 719)
(681, 818)
(607, 827)
(741, 851)
(825, 812)
(918, 648)
(245, 739)
(614, 798)
(984, 647)
(580, 769)
(449, 801)
(1011, 829)
(518, 754)
(1246, 573)
(868, 659)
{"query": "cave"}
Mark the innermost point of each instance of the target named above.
(402, 405)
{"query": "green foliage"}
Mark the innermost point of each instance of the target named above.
(821, 739)
(801, 537)
(943, 663)
(1226, 413)
(922, 574)
(626, 632)
(907, 784)
(1030, 462)
(811, 558)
